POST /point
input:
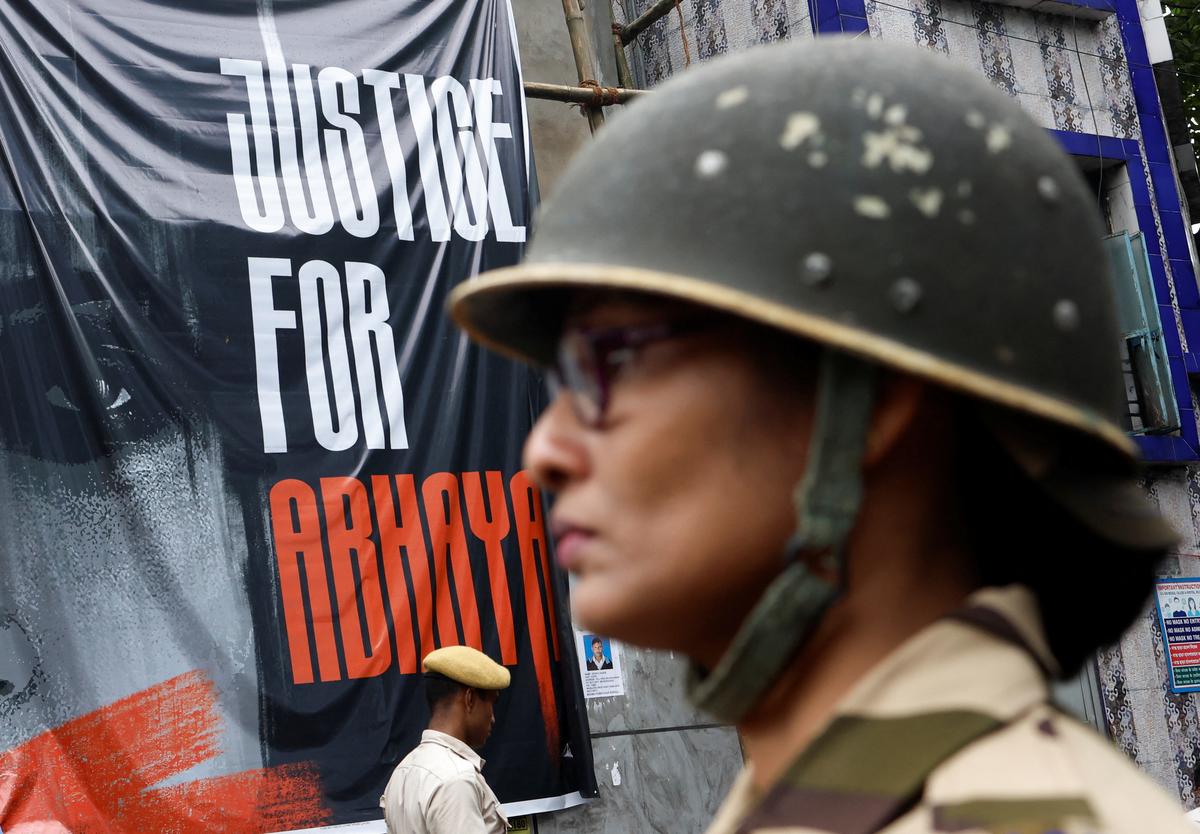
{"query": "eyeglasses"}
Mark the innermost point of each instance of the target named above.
(590, 360)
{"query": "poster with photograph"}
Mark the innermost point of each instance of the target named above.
(1179, 615)
(250, 472)
(599, 666)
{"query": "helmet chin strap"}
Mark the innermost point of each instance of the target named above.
(827, 501)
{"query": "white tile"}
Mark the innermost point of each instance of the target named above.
(963, 43)
(1150, 722)
(1157, 43)
(895, 24)
(1090, 85)
(1086, 33)
(1163, 772)
(1020, 25)
(1027, 64)
(958, 11)
(1150, 9)
(1143, 669)
(669, 781)
(1039, 109)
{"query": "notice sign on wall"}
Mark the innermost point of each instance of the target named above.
(599, 666)
(1179, 614)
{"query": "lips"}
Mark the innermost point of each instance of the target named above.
(569, 540)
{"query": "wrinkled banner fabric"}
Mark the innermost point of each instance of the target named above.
(249, 473)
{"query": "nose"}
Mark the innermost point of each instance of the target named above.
(555, 453)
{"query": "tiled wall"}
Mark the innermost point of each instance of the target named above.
(1067, 74)
(1159, 729)
(710, 28)
(661, 765)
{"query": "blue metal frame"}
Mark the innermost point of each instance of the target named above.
(850, 17)
(1185, 445)
(1162, 625)
(840, 17)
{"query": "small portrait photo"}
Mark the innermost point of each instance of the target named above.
(1176, 608)
(598, 653)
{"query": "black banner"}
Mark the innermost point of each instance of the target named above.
(249, 473)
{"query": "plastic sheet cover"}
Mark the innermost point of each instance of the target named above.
(249, 472)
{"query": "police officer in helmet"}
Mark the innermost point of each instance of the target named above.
(839, 418)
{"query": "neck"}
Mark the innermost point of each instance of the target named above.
(851, 640)
(906, 569)
(450, 724)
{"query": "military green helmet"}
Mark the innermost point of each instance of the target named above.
(868, 196)
(882, 202)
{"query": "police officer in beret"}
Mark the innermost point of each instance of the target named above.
(439, 787)
(839, 417)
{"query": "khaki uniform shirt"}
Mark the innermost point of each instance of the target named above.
(439, 789)
(954, 732)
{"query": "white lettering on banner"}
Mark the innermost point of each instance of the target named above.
(302, 155)
(393, 153)
(365, 224)
(266, 216)
(320, 219)
(335, 410)
(489, 132)
(460, 180)
(427, 160)
(367, 292)
(444, 90)
(267, 320)
(320, 287)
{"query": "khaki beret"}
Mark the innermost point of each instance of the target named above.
(468, 667)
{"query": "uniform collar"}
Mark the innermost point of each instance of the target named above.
(989, 659)
(990, 656)
(454, 744)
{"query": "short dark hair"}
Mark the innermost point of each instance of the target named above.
(439, 688)
(596, 640)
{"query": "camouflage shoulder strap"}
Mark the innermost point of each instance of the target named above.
(864, 772)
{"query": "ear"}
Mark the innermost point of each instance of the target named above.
(898, 407)
(470, 696)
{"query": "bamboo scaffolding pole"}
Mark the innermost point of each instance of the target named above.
(577, 29)
(585, 94)
(648, 17)
(624, 75)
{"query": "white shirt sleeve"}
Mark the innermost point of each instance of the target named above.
(454, 808)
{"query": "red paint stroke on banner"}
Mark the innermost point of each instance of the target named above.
(97, 773)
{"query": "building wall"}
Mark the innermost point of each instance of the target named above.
(1087, 79)
(1159, 729)
(1068, 74)
(557, 130)
(661, 765)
